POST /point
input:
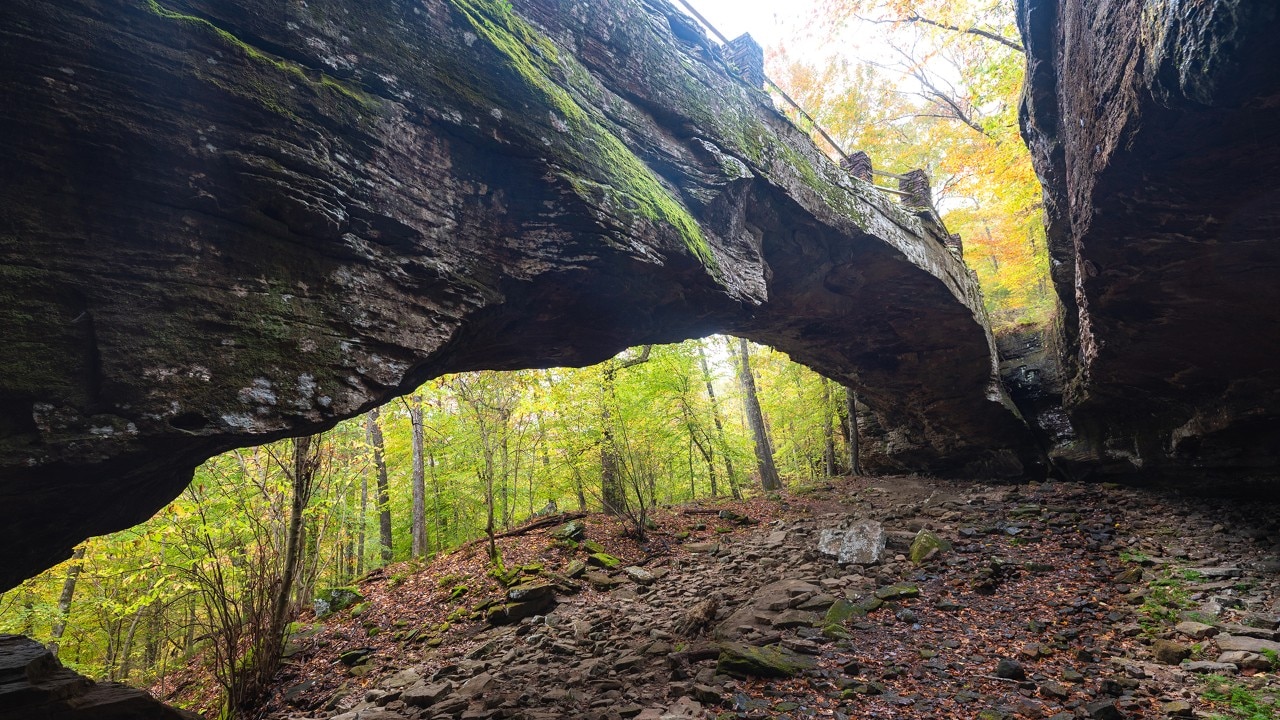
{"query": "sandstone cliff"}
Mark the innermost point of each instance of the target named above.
(1155, 127)
(230, 221)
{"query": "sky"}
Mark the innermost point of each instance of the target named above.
(767, 20)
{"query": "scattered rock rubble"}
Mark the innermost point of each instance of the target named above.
(1052, 601)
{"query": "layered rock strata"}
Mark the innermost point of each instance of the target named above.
(1155, 127)
(226, 222)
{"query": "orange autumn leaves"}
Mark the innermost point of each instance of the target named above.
(935, 85)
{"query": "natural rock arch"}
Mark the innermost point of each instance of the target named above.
(233, 221)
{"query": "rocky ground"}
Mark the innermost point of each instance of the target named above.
(1056, 600)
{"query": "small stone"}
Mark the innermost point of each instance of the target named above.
(1103, 710)
(1177, 708)
(604, 560)
(898, 591)
(860, 544)
(355, 657)
(1129, 576)
(572, 530)
(1248, 644)
(1245, 660)
(1010, 670)
(925, 546)
(1051, 689)
(422, 694)
(1168, 652)
(1205, 667)
(1195, 630)
(639, 575)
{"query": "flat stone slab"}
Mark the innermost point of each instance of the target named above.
(1205, 667)
(861, 543)
(1195, 630)
(1248, 644)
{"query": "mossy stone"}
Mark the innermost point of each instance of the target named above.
(926, 545)
(773, 661)
(604, 560)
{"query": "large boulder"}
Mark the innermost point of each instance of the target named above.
(1155, 129)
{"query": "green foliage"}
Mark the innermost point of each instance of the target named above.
(1134, 556)
(1238, 701)
(944, 100)
(1163, 603)
(511, 442)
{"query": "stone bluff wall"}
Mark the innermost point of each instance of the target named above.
(1155, 127)
(228, 221)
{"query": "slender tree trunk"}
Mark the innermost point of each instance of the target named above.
(155, 636)
(486, 481)
(693, 487)
(306, 464)
(828, 430)
(189, 640)
(769, 479)
(126, 652)
(611, 493)
(507, 482)
(364, 522)
(440, 522)
(64, 600)
(851, 400)
(384, 490)
(580, 488)
(419, 527)
(709, 457)
(715, 414)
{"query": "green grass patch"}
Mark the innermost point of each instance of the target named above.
(1237, 702)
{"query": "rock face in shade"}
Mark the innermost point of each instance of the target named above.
(226, 222)
(1155, 127)
(33, 684)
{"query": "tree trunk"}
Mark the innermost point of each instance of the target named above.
(364, 521)
(155, 635)
(384, 490)
(306, 463)
(612, 499)
(126, 652)
(418, 530)
(64, 600)
(613, 494)
(441, 522)
(769, 479)
(851, 400)
(715, 414)
(828, 430)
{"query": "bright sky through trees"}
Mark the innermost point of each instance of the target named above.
(770, 22)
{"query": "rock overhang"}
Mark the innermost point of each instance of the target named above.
(236, 221)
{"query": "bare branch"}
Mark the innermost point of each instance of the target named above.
(939, 98)
(987, 34)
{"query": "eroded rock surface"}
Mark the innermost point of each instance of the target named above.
(1155, 127)
(33, 684)
(230, 221)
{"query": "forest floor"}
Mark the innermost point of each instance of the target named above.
(1054, 600)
